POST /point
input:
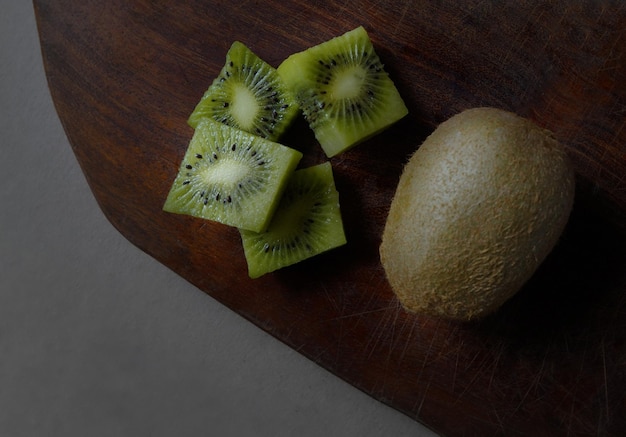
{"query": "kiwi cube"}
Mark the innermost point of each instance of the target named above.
(248, 94)
(306, 223)
(343, 90)
(231, 176)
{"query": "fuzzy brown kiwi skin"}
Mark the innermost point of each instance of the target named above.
(477, 209)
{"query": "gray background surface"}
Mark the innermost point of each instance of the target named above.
(97, 338)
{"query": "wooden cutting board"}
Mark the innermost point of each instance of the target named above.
(124, 76)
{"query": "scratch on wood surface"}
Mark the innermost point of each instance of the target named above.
(412, 325)
(339, 309)
(500, 421)
(606, 381)
(494, 367)
(455, 372)
(423, 398)
(241, 5)
(393, 322)
(572, 388)
(407, 6)
(428, 352)
(477, 373)
(380, 330)
(516, 42)
(534, 383)
(330, 297)
(360, 313)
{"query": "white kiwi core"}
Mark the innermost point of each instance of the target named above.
(244, 106)
(226, 172)
(348, 83)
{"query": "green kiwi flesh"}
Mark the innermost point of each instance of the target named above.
(248, 94)
(231, 176)
(306, 223)
(343, 90)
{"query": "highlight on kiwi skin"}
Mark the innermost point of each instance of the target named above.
(306, 223)
(248, 94)
(231, 176)
(343, 90)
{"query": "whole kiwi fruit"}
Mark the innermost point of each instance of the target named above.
(477, 209)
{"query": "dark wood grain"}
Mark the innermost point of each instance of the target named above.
(124, 76)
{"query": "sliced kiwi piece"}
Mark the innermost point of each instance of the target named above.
(231, 176)
(306, 223)
(248, 94)
(343, 90)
